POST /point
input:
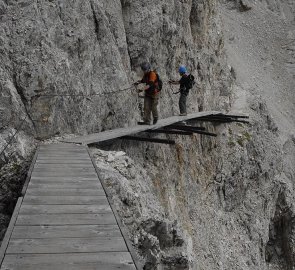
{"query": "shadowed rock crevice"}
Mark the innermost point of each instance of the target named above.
(280, 247)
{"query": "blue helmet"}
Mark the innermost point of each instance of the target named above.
(182, 70)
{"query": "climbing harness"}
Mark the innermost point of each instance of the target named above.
(173, 90)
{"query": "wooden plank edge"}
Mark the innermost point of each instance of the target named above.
(137, 262)
(26, 184)
(9, 230)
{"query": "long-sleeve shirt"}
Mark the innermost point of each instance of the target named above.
(151, 80)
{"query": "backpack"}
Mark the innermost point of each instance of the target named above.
(191, 82)
(160, 83)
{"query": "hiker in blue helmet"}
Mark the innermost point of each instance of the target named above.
(186, 83)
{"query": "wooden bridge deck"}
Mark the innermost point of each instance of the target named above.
(121, 132)
(64, 221)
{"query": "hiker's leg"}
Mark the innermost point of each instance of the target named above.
(155, 108)
(182, 103)
(147, 109)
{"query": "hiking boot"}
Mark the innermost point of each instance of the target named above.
(183, 114)
(155, 121)
(143, 123)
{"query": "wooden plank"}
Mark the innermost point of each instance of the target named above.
(53, 200)
(65, 209)
(75, 157)
(66, 219)
(64, 171)
(66, 231)
(76, 261)
(65, 185)
(113, 134)
(67, 166)
(72, 157)
(65, 192)
(64, 178)
(61, 174)
(9, 230)
(56, 181)
(70, 162)
(66, 245)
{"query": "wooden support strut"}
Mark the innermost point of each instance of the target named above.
(195, 130)
(185, 127)
(144, 139)
(172, 132)
(234, 116)
(221, 119)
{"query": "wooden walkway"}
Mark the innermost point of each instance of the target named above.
(64, 221)
(121, 132)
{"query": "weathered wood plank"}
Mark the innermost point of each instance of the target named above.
(62, 174)
(44, 157)
(68, 231)
(66, 219)
(65, 192)
(66, 245)
(62, 161)
(33, 200)
(65, 185)
(77, 261)
(67, 166)
(65, 209)
(64, 178)
(64, 171)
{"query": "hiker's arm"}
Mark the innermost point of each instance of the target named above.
(138, 82)
(151, 85)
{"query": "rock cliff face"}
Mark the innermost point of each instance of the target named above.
(224, 203)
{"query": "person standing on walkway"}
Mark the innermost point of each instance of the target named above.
(186, 83)
(151, 94)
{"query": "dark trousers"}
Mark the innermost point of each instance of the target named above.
(150, 107)
(182, 102)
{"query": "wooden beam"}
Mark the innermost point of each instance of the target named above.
(234, 116)
(184, 127)
(196, 130)
(173, 132)
(144, 139)
(221, 120)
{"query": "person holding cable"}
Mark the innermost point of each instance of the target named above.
(186, 83)
(151, 93)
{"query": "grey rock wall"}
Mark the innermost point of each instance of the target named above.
(93, 48)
